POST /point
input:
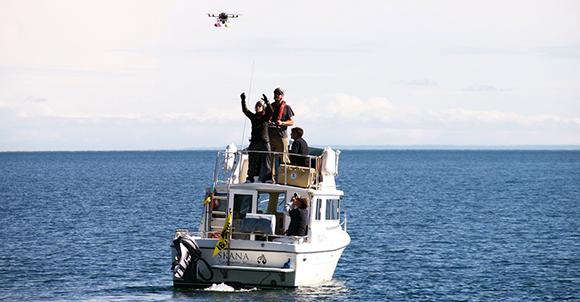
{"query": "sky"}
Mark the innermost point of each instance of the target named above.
(156, 75)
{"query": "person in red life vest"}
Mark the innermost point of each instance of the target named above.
(281, 118)
(259, 164)
(300, 147)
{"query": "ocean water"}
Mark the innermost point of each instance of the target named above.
(425, 226)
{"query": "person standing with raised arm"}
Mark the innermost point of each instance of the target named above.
(259, 163)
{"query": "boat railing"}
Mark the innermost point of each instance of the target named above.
(343, 223)
(267, 237)
(257, 236)
(232, 167)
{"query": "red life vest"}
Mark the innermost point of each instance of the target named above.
(280, 111)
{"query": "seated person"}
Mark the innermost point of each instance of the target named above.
(298, 217)
(299, 146)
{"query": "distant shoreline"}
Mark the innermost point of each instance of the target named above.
(463, 147)
(352, 148)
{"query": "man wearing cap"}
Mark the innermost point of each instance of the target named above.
(281, 118)
(259, 164)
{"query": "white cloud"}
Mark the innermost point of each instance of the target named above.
(568, 51)
(340, 119)
(482, 51)
(344, 108)
(497, 119)
(36, 99)
(76, 132)
(348, 109)
(420, 83)
(486, 89)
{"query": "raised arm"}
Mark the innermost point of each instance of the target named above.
(244, 107)
(269, 110)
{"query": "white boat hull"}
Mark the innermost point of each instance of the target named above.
(265, 264)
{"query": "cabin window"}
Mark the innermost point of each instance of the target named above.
(281, 202)
(242, 205)
(332, 209)
(271, 202)
(263, 199)
(318, 208)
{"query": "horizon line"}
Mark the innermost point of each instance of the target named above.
(538, 147)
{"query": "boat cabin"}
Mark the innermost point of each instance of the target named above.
(260, 210)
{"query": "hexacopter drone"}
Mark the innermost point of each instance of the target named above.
(222, 19)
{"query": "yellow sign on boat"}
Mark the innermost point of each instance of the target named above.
(208, 199)
(224, 236)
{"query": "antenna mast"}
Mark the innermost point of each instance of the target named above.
(249, 98)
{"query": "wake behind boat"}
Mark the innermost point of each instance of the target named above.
(241, 239)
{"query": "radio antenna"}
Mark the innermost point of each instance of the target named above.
(248, 98)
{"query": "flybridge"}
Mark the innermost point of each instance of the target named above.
(231, 167)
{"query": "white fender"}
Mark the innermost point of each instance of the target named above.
(329, 158)
(230, 157)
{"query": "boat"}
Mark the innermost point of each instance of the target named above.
(241, 237)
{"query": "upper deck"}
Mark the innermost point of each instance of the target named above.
(231, 167)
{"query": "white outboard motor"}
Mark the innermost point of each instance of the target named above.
(230, 157)
(188, 253)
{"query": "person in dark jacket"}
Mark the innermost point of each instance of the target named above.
(299, 146)
(259, 164)
(298, 217)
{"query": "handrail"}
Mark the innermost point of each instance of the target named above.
(269, 236)
(222, 175)
(276, 153)
(343, 222)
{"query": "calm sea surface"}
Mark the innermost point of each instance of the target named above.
(425, 226)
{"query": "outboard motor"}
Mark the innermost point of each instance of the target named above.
(188, 253)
